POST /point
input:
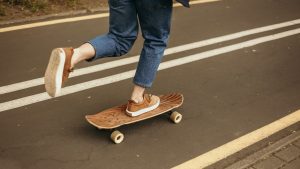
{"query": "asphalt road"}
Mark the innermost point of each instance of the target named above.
(226, 96)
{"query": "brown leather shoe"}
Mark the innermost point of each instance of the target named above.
(150, 102)
(58, 70)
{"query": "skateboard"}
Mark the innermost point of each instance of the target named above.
(116, 116)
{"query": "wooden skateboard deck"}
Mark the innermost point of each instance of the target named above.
(116, 116)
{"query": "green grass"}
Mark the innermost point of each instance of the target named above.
(32, 5)
(2, 11)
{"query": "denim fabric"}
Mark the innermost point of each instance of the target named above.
(154, 17)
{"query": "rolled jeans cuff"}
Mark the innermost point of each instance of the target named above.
(146, 86)
(104, 46)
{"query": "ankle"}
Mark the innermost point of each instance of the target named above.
(75, 57)
(137, 99)
(138, 94)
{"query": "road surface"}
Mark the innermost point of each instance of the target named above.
(232, 86)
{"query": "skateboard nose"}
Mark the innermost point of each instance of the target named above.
(88, 117)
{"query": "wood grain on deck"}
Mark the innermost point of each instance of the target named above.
(116, 116)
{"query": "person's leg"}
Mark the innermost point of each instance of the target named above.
(155, 20)
(123, 30)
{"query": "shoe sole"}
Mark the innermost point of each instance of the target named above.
(54, 72)
(142, 111)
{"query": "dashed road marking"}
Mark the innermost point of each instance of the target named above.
(129, 74)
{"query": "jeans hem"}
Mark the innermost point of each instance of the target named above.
(142, 84)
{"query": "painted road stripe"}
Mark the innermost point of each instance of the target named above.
(129, 74)
(240, 143)
(53, 22)
(76, 19)
(126, 61)
(195, 2)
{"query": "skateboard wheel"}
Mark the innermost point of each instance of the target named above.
(117, 137)
(176, 117)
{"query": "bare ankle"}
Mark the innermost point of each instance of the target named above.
(75, 58)
(137, 99)
(84, 52)
(137, 94)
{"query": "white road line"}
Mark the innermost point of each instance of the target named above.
(75, 19)
(238, 144)
(129, 74)
(126, 61)
(195, 2)
(53, 22)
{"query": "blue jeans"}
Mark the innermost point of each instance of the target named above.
(154, 17)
